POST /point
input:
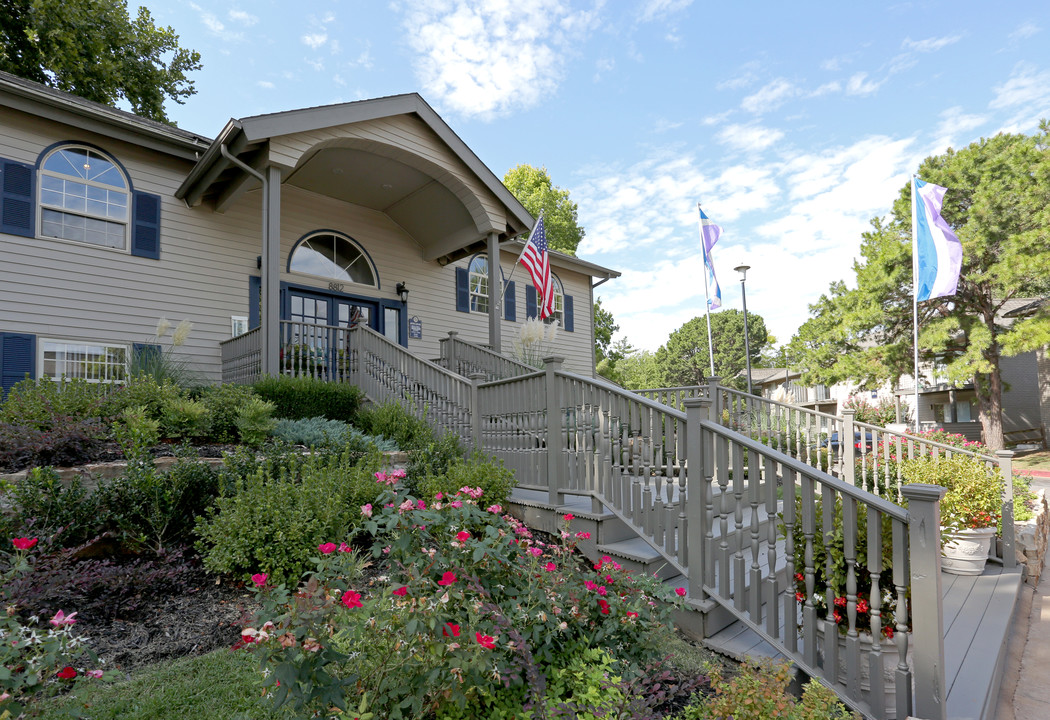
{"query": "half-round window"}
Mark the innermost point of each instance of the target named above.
(83, 197)
(333, 257)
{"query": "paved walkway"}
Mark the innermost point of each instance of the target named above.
(1025, 693)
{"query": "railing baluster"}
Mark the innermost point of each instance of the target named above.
(834, 615)
(790, 636)
(739, 571)
(849, 546)
(809, 612)
(875, 672)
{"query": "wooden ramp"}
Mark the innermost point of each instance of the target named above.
(978, 611)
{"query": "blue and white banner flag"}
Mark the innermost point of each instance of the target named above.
(938, 252)
(709, 234)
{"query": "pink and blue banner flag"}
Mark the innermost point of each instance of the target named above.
(938, 252)
(709, 234)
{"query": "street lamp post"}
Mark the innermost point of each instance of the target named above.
(742, 269)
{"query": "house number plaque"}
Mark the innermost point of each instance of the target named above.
(337, 287)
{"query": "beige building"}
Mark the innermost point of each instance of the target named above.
(111, 221)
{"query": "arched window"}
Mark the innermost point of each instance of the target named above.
(334, 257)
(478, 281)
(559, 303)
(84, 197)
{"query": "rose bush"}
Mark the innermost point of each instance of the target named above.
(475, 612)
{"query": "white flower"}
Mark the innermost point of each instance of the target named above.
(163, 325)
(182, 331)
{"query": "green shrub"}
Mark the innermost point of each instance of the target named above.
(143, 391)
(42, 404)
(478, 470)
(881, 413)
(357, 441)
(185, 419)
(47, 505)
(760, 691)
(476, 619)
(311, 432)
(255, 421)
(974, 498)
(273, 518)
(224, 403)
(394, 422)
(434, 458)
(136, 431)
(304, 397)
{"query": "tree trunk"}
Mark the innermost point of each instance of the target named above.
(989, 391)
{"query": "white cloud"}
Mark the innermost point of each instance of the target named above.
(955, 122)
(932, 44)
(487, 58)
(602, 66)
(829, 87)
(746, 77)
(770, 96)
(215, 26)
(315, 40)
(243, 17)
(655, 9)
(716, 119)
(1025, 30)
(860, 85)
(266, 84)
(749, 137)
(1026, 86)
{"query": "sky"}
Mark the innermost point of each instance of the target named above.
(793, 123)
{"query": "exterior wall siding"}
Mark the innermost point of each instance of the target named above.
(73, 291)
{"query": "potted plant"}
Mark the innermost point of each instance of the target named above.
(971, 510)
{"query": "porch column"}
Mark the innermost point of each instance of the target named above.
(495, 293)
(270, 318)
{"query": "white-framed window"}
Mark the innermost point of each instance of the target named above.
(100, 362)
(238, 325)
(334, 257)
(559, 303)
(478, 282)
(84, 197)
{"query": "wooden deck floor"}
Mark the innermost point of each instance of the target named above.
(978, 611)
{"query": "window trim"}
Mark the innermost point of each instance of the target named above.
(559, 292)
(470, 293)
(476, 298)
(331, 280)
(39, 205)
(41, 346)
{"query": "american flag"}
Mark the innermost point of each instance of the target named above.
(536, 260)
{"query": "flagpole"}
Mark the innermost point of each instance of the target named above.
(515, 265)
(707, 291)
(915, 291)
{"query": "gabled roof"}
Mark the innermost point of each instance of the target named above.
(249, 132)
(42, 101)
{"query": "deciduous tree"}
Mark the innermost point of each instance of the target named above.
(684, 360)
(93, 49)
(998, 203)
(533, 188)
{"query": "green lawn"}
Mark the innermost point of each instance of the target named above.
(221, 685)
(1036, 460)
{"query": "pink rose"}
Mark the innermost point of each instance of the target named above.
(463, 536)
(327, 548)
(352, 599)
(550, 567)
(680, 592)
(401, 591)
(448, 578)
(61, 619)
(366, 510)
(259, 579)
(25, 544)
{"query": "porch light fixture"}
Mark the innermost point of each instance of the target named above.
(402, 291)
(742, 269)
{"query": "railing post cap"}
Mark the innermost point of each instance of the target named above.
(714, 379)
(922, 492)
(553, 360)
(453, 333)
(477, 376)
(694, 402)
(849, 411)
(1004, 453)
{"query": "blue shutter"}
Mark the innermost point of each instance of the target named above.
(16, 198)
(569, 324)
(17, 359)
(254, 299)
(462, 290)
(530, 301)
(510, 310)
(145, 226)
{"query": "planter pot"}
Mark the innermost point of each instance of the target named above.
(966, 551)
(889, 664)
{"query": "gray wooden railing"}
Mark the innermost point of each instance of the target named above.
(242, 358)
(467, 359)
(743, 522)
(387, 372)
